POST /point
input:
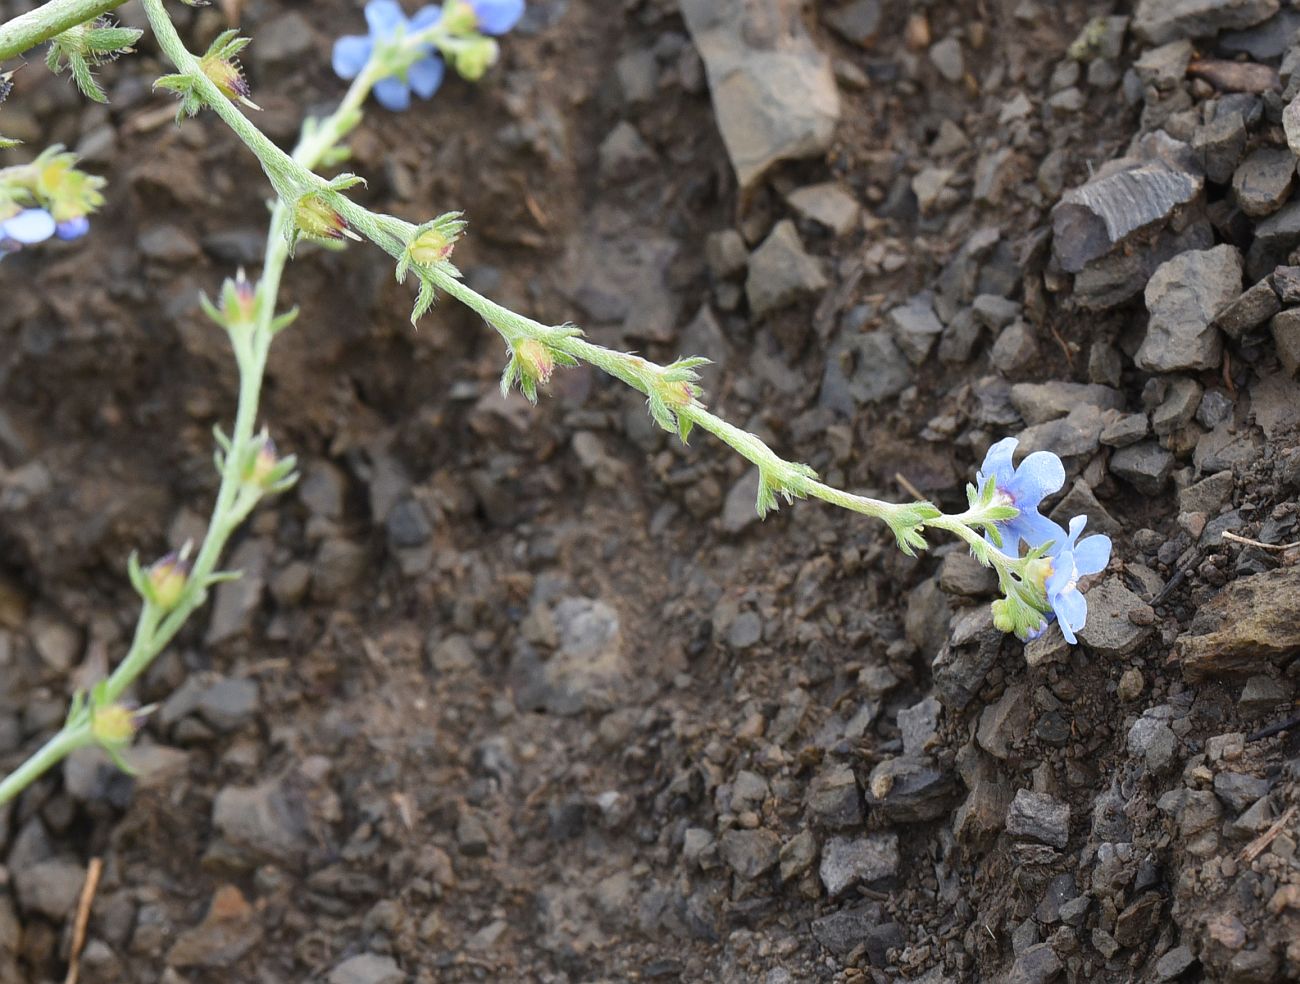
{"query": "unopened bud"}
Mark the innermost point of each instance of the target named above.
(227, 76)
(316, 218)
(431, 247)
(535, 359)
(261, 471)
(473, 60)
(1002, 620)
(680, 394)
(168, 578)
(115, 724)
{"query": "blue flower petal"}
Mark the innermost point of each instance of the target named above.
(393, 93)
(997, 463)
(1076, 527)
(1071, 609)
(497, 16)
(1062, 572)
(32, 225)
(426, 76)
(384, 18)
(1032, 527)
(1039, 475)
(425, 18)
(351, 54)
(1092, 555)
(73, 228)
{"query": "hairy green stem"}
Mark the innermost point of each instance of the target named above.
(54, 17)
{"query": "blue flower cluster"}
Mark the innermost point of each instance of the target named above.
(35, 225)
(1067, 559)
(424, 77)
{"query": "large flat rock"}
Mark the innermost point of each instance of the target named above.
(1250, 624)
(773, 91)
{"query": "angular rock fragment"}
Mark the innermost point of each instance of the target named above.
(1252, 309)
(1146, 466)
(1263, 181)
(1094, 218)
(853, 861)
(774, 92)
(1039, 817)
(1160, 21)
(1251, 624)
(827, 204)
(1183, 298)
(781, 271)
(1040, 402)
(1110, 629)
(909, 789)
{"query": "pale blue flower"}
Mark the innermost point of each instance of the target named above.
(73, 228)
(28, 227)
(1024, 487)
(388, 23)
(1070, 561)
(497, 16)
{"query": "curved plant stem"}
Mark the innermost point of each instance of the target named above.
(30, 29)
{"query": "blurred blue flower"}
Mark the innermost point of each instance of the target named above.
(388, 23)
(1072, 560)
(497, 16)
(26, 228)
(1038, 476)
(73, 228)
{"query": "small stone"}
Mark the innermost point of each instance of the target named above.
(1261, 694)
(1159, 21)
(50, 888)
(1015, 348)
(961, 574)
(834, 798)
(1179, 407)
(1183, 298)
(844, 931)
(229, 703)
(798, 855)
(340, 564)
(1216, 408)
(928, 185)
(919, 725)
(1110, 628)
(1039, 817)
(638, 75)
(1285, 327)
(228, 931)
(1263, 180)
(1238, 791)
(1154, 741)
(946, 56)
(827, 204)
(995, 313)
(1253, 308)
(745, 631)
(588, 671)
(1208, 495)
(1146, 466)
(750, 853)
(263, 822)
(1130, 685)
(698, 848)
(1081, 501)
(774, 92)
(1005, 722)
(1040, 402)
(1219, 145)
(57, 643)
(781, 272)
(738, 512)
(367, 968)
(909, 789)
(1039, 964)
(864, 368)
(1252, 623)
(1174, 963)
(857, 22)
(1124, 429)
(282, 42)
(847, 862)
(726, 254)
(915, 327)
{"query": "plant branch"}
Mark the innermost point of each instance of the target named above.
(30, 29)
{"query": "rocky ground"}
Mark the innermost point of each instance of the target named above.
(530, 695)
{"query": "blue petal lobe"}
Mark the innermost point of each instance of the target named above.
(1072, 609)
(1062, 571)
(425, 18)
(497, 16)
(73, 228)
(1039, 475)
(351, 54)
(1092, 555)
(997, 462)
(33, 225)
(393, 93)
(384, 18)
(426, 76)
(1034, 528)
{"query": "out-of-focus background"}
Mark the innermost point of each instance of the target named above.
(530, 695)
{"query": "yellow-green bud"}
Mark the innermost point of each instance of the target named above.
(318, 219)
(1002, 620)
(114, 725)
(535, 359)
(167, 581)
(473, 61)
(430, 247)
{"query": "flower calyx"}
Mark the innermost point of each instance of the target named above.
(85, 46)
